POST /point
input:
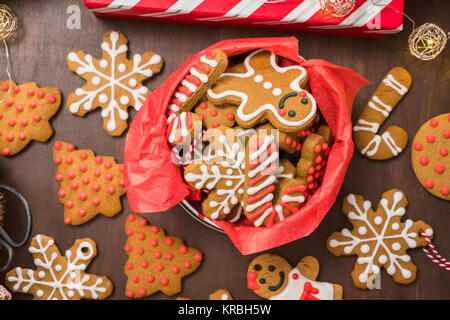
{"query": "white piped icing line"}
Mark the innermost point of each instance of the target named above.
(72, 279)
(380, 238)
(108, 81)
(294, 85)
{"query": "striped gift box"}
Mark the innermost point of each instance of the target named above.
(370, 18)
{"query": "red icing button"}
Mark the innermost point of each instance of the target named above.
(24, 122)
(150, 278)
(83, 156)
(429, 183)
(198, 256)
(230, 116)
(108, 165)
(97, 173)
(5, 87)
(127, 248)
(281, 112)
(96, 187)
(175, 269)
(130, 266)
(141, 236)
(67, 220)
(159, 267)
(69, 204)
(32, 104)
(144, 264)
(186, 264)
(82, 212)
(318, 148)
(164, 281)
(423, 160)
(418, 146)
(74, 185)
(213, 113)
(110, 190)
(153, 242)
(131, 218)
(108, 176)
(40, 94)
(83, 196)
(446, 133)
(439, 168)
(443, 152)
(9, 102)
(169, 256)
(16, 89)
(98, 159)
(59, 177)
(82, 167)
(142, 222)
(445, 190)
(130, 232)
(154, 229)
(61, 193)
(57, 160)
(140, 251)
(430, 138)
(96, 201)
(6, 151)
(9, 137)
(70, 147)
(36, 117)
(85, 180)
(70, 175)
(51, 99)
(20, 108)
(130, 294)
(142, 292)
(135, 279)
(203, 105)
(12, 122)
(30, 92)
(57, 145)
(434, 122)
(69, 160)
(169, 241)
(157, 254)
(215, 124)
(295, 276)
(183, 249)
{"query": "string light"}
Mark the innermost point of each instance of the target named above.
(427, 41)
(338, 8)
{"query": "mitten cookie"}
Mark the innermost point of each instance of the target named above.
(388, 94)
(214, 116)
(156, 262)
(89, 184)
(113, 82)
(221, 172)
(267, 92)
(272, 277)
(59, 277)
(25, 111)
(429, 156)
(379, 238)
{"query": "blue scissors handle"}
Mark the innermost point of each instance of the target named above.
(5, 239)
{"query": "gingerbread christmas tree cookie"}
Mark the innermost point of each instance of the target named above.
(156, 262)
(379, 238)
(114, 82)
(57, 276)
(25, 111)
(89, 184)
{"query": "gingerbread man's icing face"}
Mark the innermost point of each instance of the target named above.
(266, 91)
(267, 275)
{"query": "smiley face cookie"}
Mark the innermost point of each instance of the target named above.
(267, 92)
(272, 277)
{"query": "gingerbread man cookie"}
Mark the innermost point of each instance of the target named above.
(25, 111)
(388, 94)
(272, 277)
(59, 277)
(430, 156)
(89, 184)
(266, 91)
(379, 238)
(156, 262)
(114, 82)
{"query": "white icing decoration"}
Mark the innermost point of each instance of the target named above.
(212, 63)
(294, 85)
(392, 259)
(382, 259)
(95, 80)
(179, 130)
(378, 220)
(59, 283)
(394, 84)
(366, 126)
(258, 78)
(267, 85)
(124, 100)
(276, 92)
(203, 77)
(112, 81)
(384, 109)
(362, 230)
(295, 287)
(365, 248)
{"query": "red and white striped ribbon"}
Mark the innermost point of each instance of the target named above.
(433, 254)
(186, 159)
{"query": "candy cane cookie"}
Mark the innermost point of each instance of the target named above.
(394, 139)
(193, 87)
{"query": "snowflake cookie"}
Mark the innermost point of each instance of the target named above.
(89, 184)
(25, 111)
(59, 277)
(113, 82)
(156, 262)
(379, 238)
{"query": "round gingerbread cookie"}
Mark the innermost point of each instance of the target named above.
(430, 156)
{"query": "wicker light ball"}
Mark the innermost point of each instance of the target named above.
(8, 22)
(427, 41)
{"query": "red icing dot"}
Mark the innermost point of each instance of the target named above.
(157, 254)
(9, 102)
(74, 186)
(154, 229)
(429, 183)
(318, 159)
(169, 256)
(96, 201)
(295, 276)
(281, 112)
(142, 222)
(131, 218)
(82, 167)
(40, 94)
(30, 92)
(70, 147)
(141, 236)
(153, 242)
(130, 232)
(418, 146)
(82, 212)
(69, 204)
(230, 116)
(121, 182)
(130, 266)
(108, 176)
(6, 151)
(57, 145)
(70, 175)
(20, 108)
(317, 148)
(439, 168)
(135, 279)
(150, 278)
(164, 281)
(36, 117)
(302, 94)
(325, 146)
(144, 264)
(69, 160)
(130, 294)
(96, 187)
(5, 87)
(83, 196)
(215, 124)
(16, 89)
(97, 173)
(12, 122)
(299, 147)
(98, 159)
(310, 179)
(67, 220)
(445, 190)
(61, 193)
(203, 105)
(127, 248)
(311, 170)
(111, 190)
(108, 165)
(294, 144)
(159, 267)
(198, 256)
(202, 116)
(430, 138)
(318, 167)
(169, 241)
(85, 180)
(423, 160)
(142, 292)
(213, 113)
(59, 177)
(83, 156)
(446, 133)
(24, 122)
(32, 104)
(175, 269)
(10, 137)
(443, 152)
(288, 140)
(140, 251)
(57, 160)
(434, 122)
(186, 264)
(183, 249)
(51, 99)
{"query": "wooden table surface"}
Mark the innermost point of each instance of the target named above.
(39, 53)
